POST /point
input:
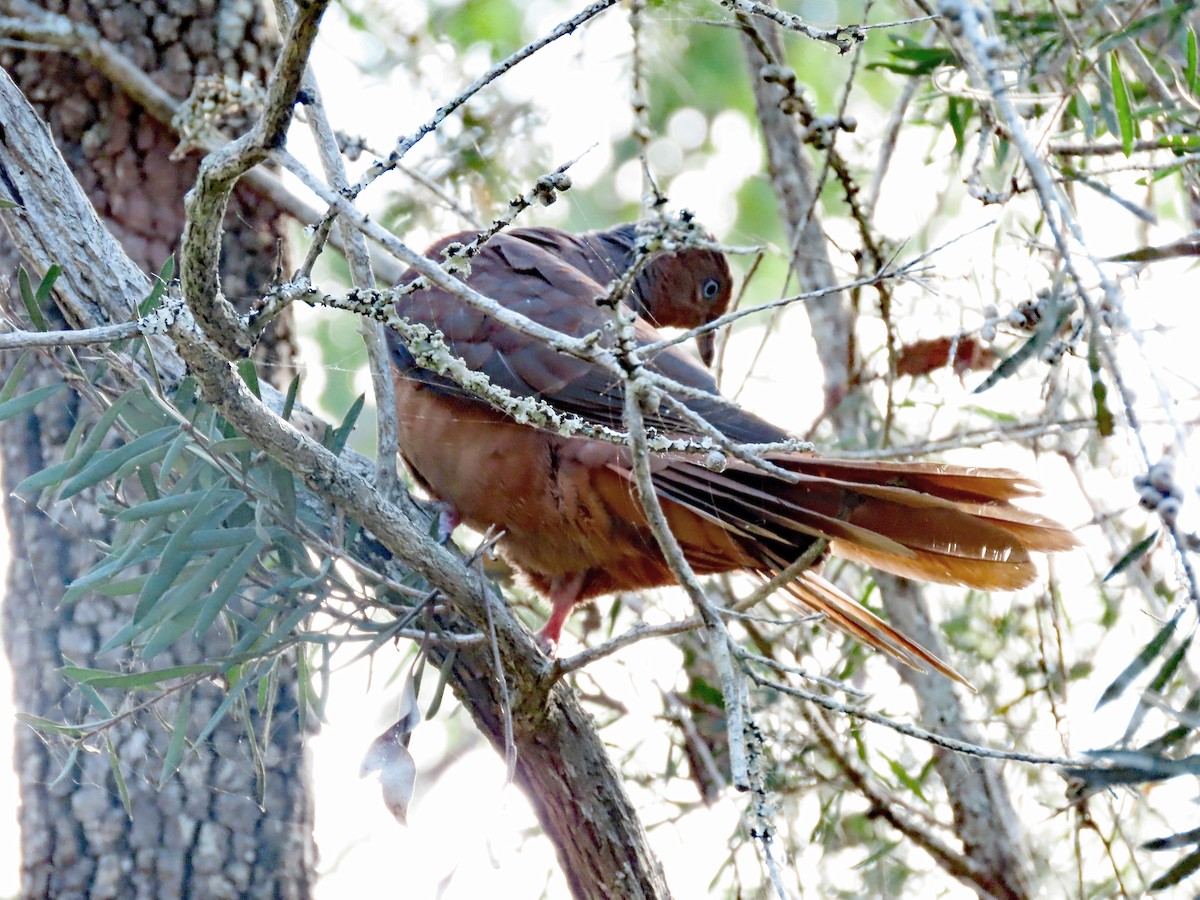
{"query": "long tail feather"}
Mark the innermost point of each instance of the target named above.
(840, 610)
(927, 521)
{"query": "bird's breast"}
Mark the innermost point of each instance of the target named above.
(560, 507)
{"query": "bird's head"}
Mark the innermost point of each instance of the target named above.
(685, 290)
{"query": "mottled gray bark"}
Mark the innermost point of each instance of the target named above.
(204, 834)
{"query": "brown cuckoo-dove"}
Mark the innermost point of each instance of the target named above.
(567, 506)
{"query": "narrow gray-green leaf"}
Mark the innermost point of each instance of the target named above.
(165, 635)
(108, 462)
(68, 770)
(1177, 873)
(215, 538)
(1132, 555)
(33, 300)
(1121, 102)
(115, 764)
(1056, 317)
(218, 599)
(1139, 664)
(341, 434)
(235, 690)
(289, 400)
(147, 544)
(50, 726)
(177, 554)
(197, 581)
(51, 476)
(174, 504)
(1174, 841)
(174, 755)
(1191, 73)
(98, 431)
(26, 402)
(15, 374)
(131, 681)
(165, 273)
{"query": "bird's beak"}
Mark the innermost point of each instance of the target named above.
(707, 343)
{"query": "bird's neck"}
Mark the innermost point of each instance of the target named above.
(618, 246)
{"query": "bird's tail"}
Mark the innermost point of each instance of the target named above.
(928, 521)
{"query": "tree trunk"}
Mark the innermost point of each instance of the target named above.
(204, 834)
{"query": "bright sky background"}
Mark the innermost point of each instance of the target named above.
(468, 834)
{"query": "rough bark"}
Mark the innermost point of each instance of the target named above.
(203, 834)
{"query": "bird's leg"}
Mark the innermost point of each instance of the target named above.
(448, 519)
(564, 593)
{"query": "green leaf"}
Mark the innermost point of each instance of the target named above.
(285, 628)
(915, 60)
(283, 488)
(1080, 108)
(1132, 555)
(215, 538)
(1139, 664)
(97, 432)
(174, 755)
(289, 401)
(176, 626)
(107, 463)
(1121, 103)
(14, 376)
(122, 588)
(178, 552)
(115, 764)
(1178, 872)
(236, 689)
(131, 681)
(32, 299)
(959, 116)
(1170, 666)
(1104, 418)
(249, 375)
(165, 273)
(218, 598)
(1057, 315)
(92, 696)
(444, 672)
(147, 543)
(337, 440)
(50, 726)
(177, 503)
(1190, 71)
(180, 598)
(230, 446)
(51, 476)
(47, 285)
(1174, 841)
(904, 778)
(26, 402)
(8, 204)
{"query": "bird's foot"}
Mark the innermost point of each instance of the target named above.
(564, 593)
(547, 643)
(447, 519)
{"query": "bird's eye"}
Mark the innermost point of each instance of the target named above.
(710, 289)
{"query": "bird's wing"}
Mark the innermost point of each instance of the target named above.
(526, 278)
